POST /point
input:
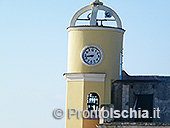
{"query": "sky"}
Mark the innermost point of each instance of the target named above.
(33, 53)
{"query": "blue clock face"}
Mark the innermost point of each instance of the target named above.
(91, 55)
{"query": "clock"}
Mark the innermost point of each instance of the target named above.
(91, 55)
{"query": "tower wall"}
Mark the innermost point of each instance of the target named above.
(110, 40)
(94, 54)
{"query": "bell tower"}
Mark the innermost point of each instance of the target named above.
(95, 42)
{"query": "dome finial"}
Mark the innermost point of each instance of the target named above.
(96, 2)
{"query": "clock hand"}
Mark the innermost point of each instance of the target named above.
(90, 55)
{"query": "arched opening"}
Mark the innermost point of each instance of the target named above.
(92, 101)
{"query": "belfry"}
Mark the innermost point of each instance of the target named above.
(95, 44)
(96, 81)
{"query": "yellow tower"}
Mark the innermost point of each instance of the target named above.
(94, 60)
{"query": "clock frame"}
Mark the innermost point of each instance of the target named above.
(91, 55)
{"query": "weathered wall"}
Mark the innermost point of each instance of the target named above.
(134, 125)
(158, 86)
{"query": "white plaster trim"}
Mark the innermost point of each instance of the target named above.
(95, 28)
(79, 13)
(84, 77)
(114, 14)
(94, 15)
(100, 7)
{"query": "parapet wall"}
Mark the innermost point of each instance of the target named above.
(134, 125)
